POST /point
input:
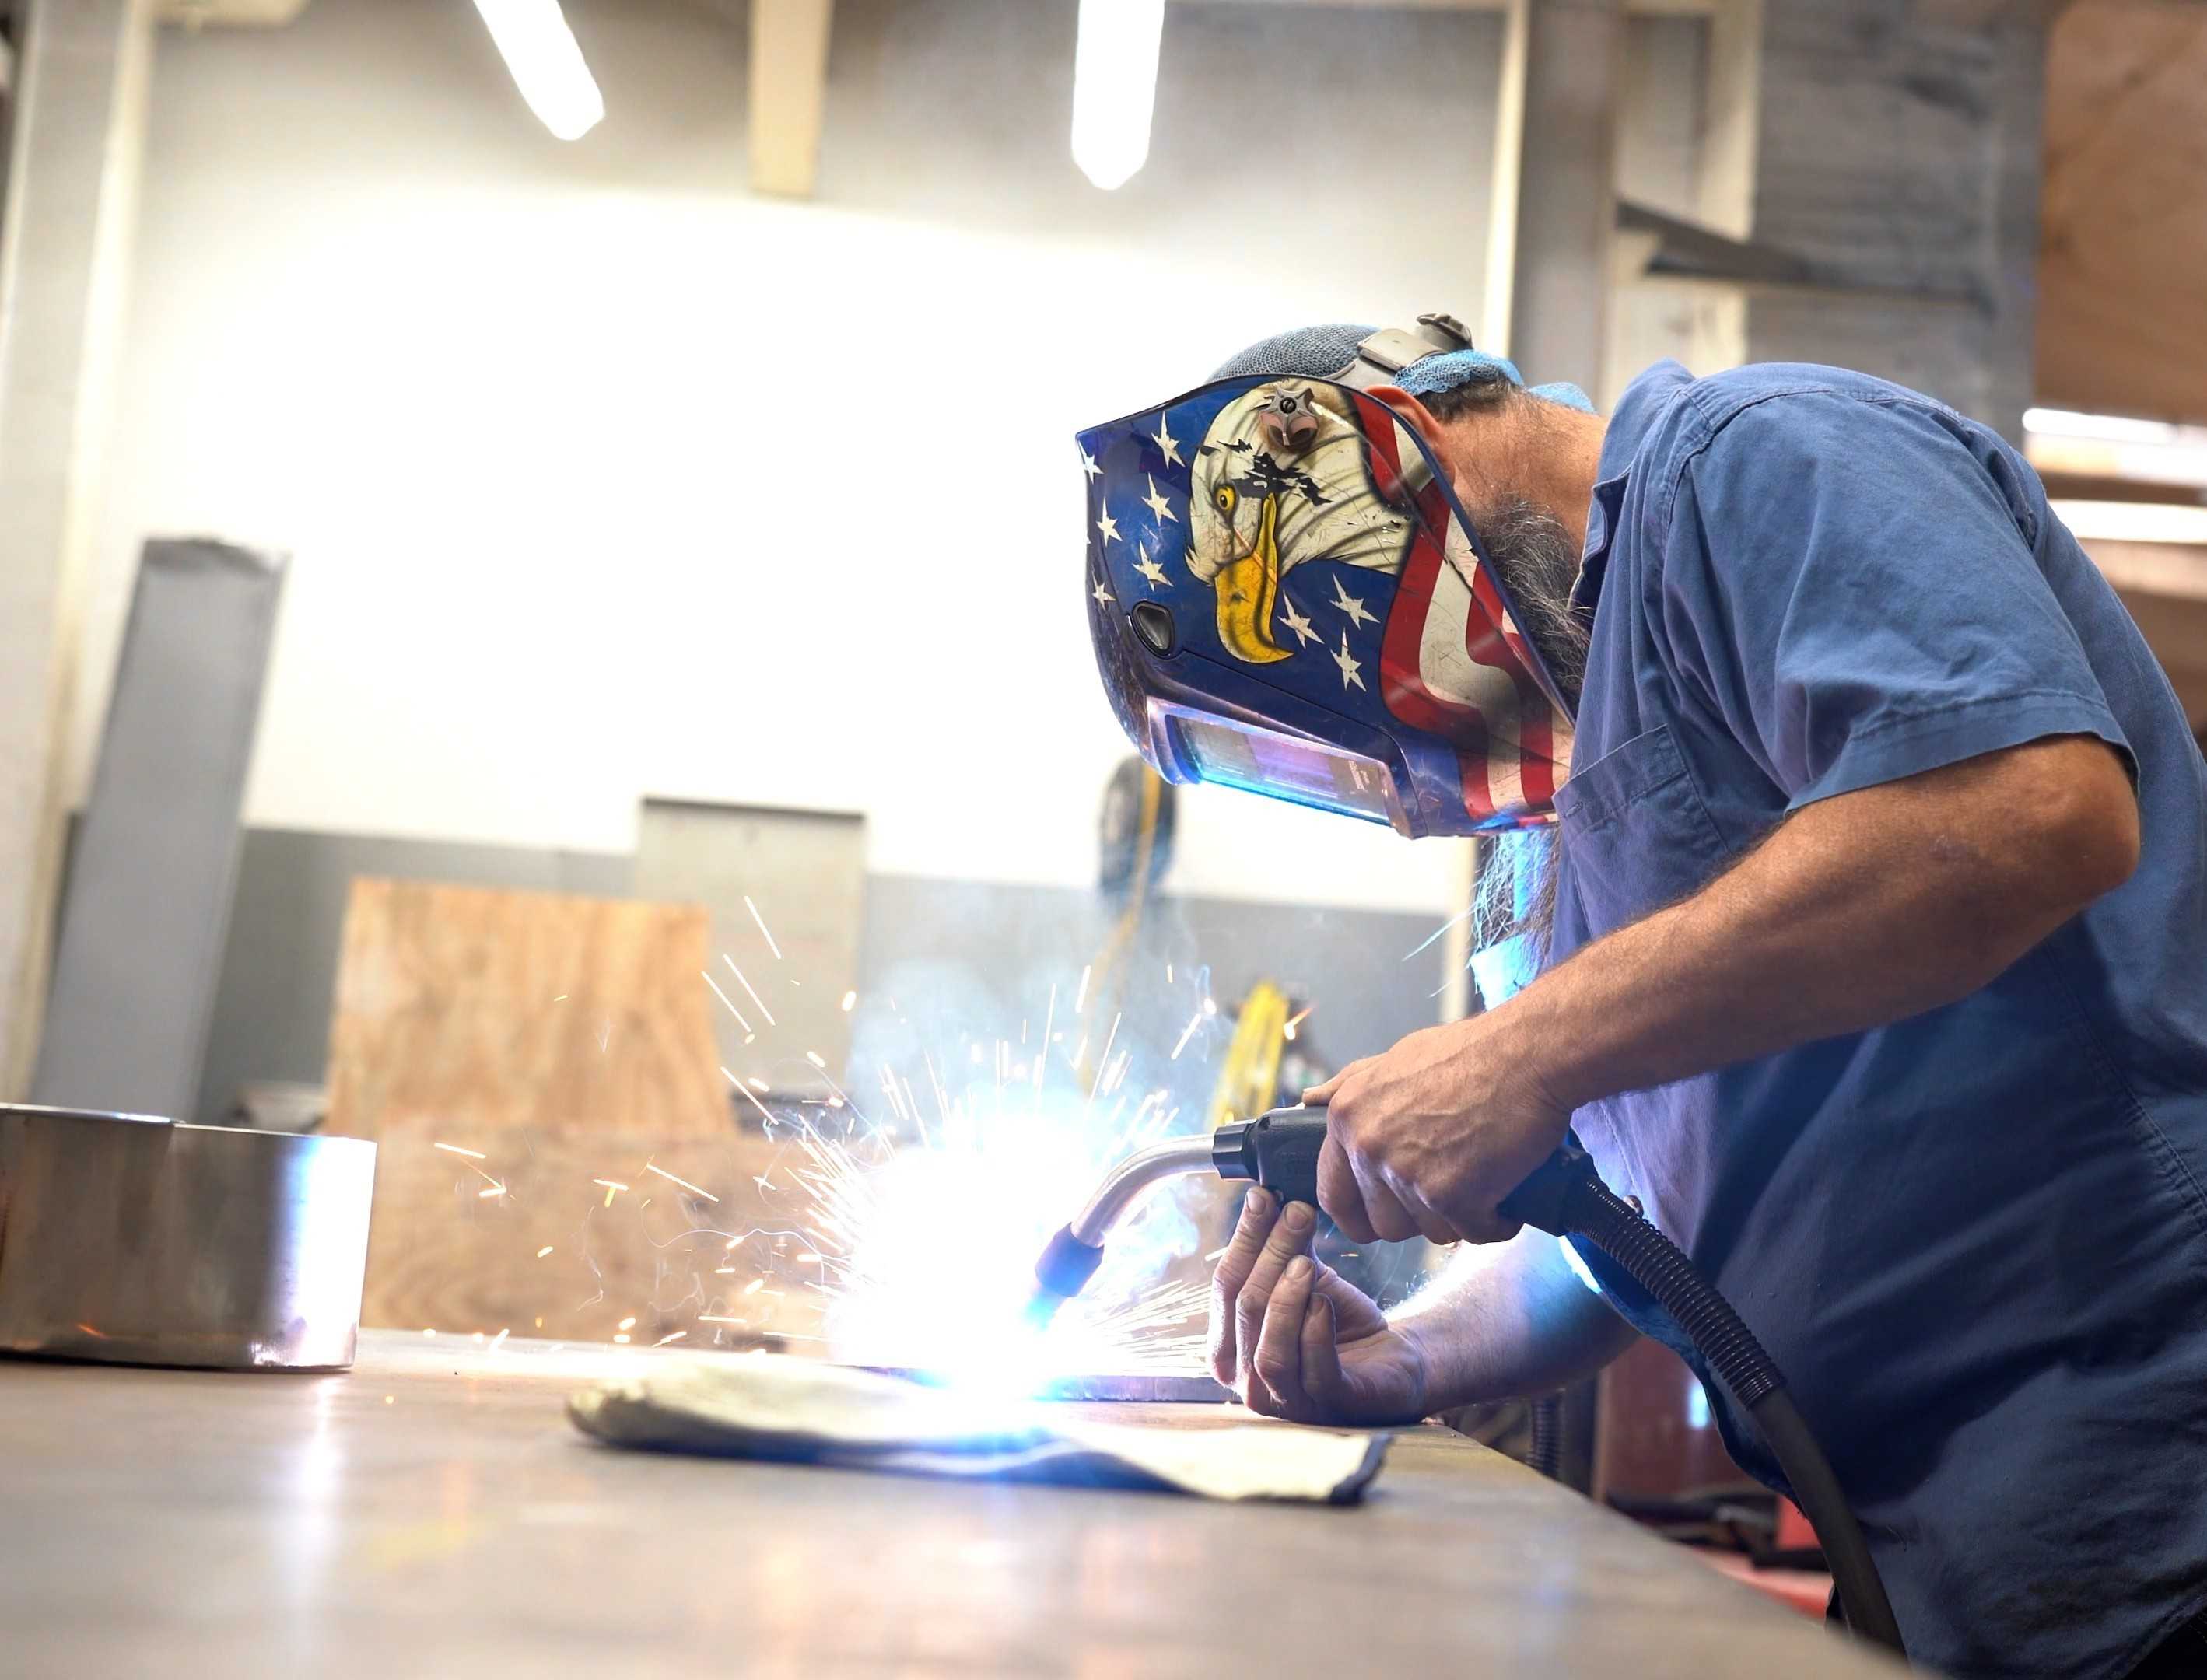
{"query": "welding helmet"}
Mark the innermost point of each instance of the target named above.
(1285, 597)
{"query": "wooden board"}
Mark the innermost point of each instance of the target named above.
(470, 1010)
(2122, 306)
(434, 1513)
(458, 1243)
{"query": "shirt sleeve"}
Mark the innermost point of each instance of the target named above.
(1845, 585)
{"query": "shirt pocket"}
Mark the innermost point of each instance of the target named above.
(1636, 834)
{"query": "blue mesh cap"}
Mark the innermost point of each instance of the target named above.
(1320, 352)
(1308, 352)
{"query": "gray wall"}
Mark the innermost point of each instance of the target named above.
(961, 959)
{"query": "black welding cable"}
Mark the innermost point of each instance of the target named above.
(1591, 1208)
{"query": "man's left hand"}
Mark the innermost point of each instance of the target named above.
(1428, 1137)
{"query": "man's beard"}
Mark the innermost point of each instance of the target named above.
(1532, 555)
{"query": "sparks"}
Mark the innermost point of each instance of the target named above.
(1081, 997)
(628, 1322)
(683, 1182)
(545, 1250)
(813, 1056)
(724, 998)
(679, 1334)
(754, 1286)
(495, 1190)
(762, 927)
(748, 987)
(496, 1341)
(622, 1340)
(849, 998)
(454, 1148)
(764, 1111)
(1103, 1060)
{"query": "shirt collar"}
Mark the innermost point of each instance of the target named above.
(1636, 411)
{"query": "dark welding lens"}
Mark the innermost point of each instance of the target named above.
(1155, 627)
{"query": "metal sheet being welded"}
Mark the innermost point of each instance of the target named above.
(1194, 1390)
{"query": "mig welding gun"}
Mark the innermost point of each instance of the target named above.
(1566, 1197)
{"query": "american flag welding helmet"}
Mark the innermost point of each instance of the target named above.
(1285, 597)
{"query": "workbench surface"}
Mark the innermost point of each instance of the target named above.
(433, 1513)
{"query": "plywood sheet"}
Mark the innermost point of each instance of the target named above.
(472, 1010)
(2122, 311)
(532, 1237)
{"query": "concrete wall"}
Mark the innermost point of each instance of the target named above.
(606, 479)
(1900, 143)
(959, 959)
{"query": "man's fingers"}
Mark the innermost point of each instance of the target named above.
(1430, 1224)
(1279, 1356)
(1317, 1096)
(1259, 1210)
(1322, 1380)
(1339, 1194)
(1492, 1228)
(1290, 1236)
(1389, 1219)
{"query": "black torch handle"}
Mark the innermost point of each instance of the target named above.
(1280, 1150)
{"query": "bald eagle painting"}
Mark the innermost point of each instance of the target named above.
(1283, 478)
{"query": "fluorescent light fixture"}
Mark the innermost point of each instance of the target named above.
(1115, 87)
(2107, 445)
(547, 67)
(2133, 522)
(2106, 428)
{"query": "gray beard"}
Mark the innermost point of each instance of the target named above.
(1532, 554)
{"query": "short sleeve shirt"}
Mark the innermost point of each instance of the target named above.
(1975, 1239)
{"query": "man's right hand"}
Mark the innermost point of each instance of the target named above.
(1295, 1339)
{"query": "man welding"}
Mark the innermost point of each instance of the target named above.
(1848, 856)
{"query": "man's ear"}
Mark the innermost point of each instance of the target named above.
(1412, 412)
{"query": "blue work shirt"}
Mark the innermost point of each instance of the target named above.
(1974, 1239)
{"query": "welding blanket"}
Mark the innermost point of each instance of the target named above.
(804, 1411)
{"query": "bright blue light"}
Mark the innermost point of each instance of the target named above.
(1697, 1407)
(1292, 796)
(1577, 1264)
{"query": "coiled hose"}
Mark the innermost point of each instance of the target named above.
(1566, 1196)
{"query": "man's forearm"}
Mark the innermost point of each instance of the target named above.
(1860, 909)
(1507, 1320)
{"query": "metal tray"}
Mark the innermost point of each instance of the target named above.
(139, 1240)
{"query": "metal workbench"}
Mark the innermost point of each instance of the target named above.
(433, 1513)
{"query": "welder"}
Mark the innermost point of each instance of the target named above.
(1845, 894)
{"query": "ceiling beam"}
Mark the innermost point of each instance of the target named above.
(789, 93)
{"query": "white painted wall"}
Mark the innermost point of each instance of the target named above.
(605, 478)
